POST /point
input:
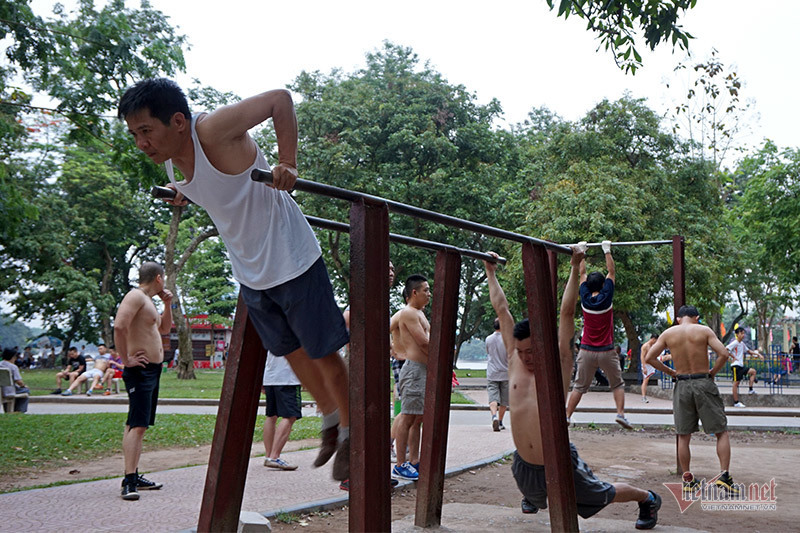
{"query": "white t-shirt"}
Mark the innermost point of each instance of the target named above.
(268, 239)
(278, 372)
(497, 365)
(738, 349)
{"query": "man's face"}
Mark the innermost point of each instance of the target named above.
(102, 350)
(740, 336)
(157, 140)
(525, 350)
(424, 293)
(72, 354)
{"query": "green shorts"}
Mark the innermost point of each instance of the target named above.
(698, 399)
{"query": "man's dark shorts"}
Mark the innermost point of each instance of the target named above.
(739, 372)
(698, 399)
(142, 385)
(300, 312)
(591, 494)
(284, 401)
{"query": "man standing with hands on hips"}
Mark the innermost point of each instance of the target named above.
(137, 335)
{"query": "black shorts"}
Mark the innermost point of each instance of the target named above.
(284, 401)
(591, 494)
(142, 385)
(739, 372)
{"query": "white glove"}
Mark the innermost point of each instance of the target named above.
(606, 245)
(581, 247)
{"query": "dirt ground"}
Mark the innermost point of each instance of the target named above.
(645, 459)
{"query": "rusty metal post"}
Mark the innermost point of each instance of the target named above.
(233, 434)
(370, 489)
(553, 262)
(549, 389)
(678, 273)
(436, 418)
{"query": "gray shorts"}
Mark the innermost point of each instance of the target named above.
(698, 399)
(498, 392)
(591, 494)
(589, 361)
(412, 387)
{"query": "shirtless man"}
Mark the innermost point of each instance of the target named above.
(137, 335)
(696, 395)
(592, 495)
(411, 334)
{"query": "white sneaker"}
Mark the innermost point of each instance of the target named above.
(645, 400)
(569, 422)
(622, 421)
(739, 404)
(752, 392)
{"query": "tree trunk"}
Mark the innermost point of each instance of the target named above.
(633, 340)
(185, 368)
(105, 288)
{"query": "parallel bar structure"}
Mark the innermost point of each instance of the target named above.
(330, 191)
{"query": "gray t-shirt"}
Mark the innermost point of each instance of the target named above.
(15, 376)
(497, 367)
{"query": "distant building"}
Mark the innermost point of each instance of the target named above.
(207, 339)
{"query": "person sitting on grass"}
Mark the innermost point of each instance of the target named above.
(95, 375)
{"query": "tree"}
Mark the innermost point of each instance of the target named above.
(616, 22)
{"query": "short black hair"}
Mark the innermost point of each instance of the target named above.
(72, 349)
(413, 282)
(148, 271)
(688, 310)
(654, 336)
(595, 281)
(101, 344)
(161, 96)
(496, 323)
(738, 330)
(522, 330)
(8, 354)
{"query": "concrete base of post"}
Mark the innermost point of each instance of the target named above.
(252, 522)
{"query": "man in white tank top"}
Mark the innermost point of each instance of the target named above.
(274, 253)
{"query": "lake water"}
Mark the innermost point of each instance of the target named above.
(471, 365)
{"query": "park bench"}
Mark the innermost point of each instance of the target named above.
(8, 400)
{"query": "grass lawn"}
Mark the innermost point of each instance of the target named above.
(467, 373)
(44, 441)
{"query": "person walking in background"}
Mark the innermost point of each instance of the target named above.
(138, 328)
(282, 389)
(497, 376)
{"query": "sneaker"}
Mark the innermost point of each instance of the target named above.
(143, 483)
(725, 481)
(690, 484)
(502, 427)
(405, 471)
(88, 392)
(495, 424)
(107, 392)
(57, 391)
(622, 421)
(528, 507)
(569, 422)
(416, 466)
(129, 491)
(328, 445)
(345, 485)
(341, 464)
(752, 392)
(739, 404)
(648, 512)
(279, 463)
(645, 400)
(98, 387)
(66, 393)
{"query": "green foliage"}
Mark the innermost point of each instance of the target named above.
(616, 23)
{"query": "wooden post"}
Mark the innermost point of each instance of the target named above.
(549, 389)
(679, 290)
(436, 418)
(233, 434)
(370, 489)
(553, 263)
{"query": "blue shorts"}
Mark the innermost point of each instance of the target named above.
(284, 401)
(142, 385)
(299, 313)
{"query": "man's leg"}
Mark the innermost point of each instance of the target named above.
(309, 375)
(401, 437)
(645, 380)
(132, 447)
(414, 443)
(724, 450)
(269, 435)
(337, 383)
(619, 400)
(752, 374)
(493, 408)
(629, 493)
(573, 401)
(501, 412)
(684, 453)
(735, 392)
(282, 436)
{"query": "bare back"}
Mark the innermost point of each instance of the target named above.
(138, 312)
(411, 334)
(688, 344)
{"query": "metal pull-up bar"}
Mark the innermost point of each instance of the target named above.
(629, 243)
(265, 176)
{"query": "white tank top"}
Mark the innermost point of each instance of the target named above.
(269, 241)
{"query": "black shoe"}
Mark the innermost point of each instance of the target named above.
(143, 483)
(528, 507)
(57, 391)
(328, 445)
(725, 481)
(129, 491)
(690, 484)
(345, 485)
(495, 424)
(341, 464)
(648, 512)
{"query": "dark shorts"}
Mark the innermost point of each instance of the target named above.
(142, 385)
(739, 372)
(300, 312)
(284, 401)
(397, 365)
(591, 494)
(698, 399)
